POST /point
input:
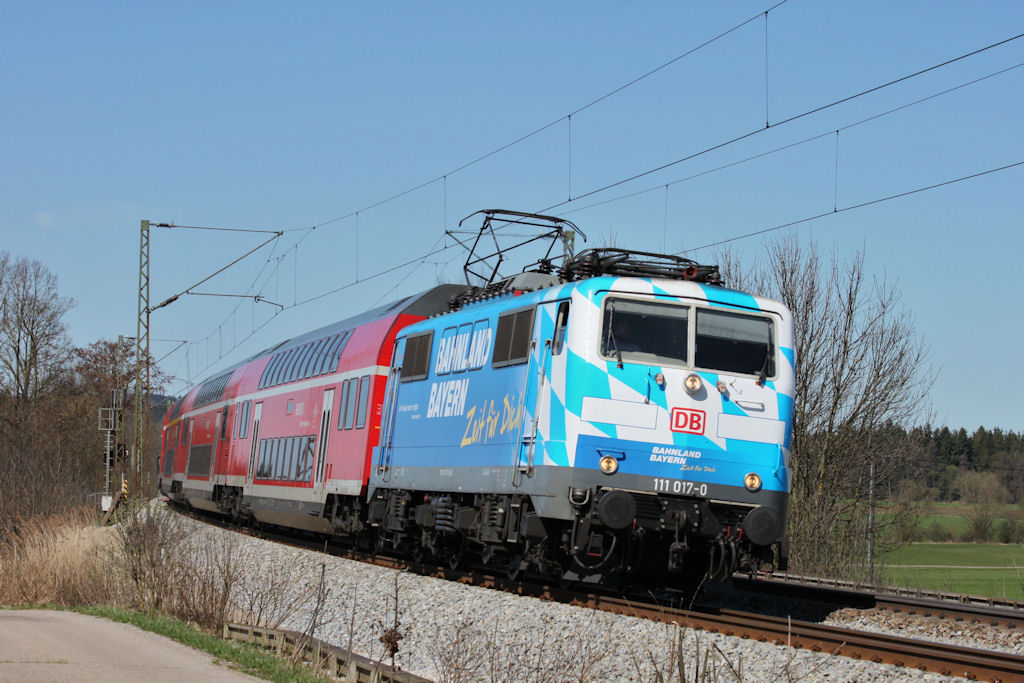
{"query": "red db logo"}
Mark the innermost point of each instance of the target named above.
(687, 420)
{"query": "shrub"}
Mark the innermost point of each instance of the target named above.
(1010, 531)
(166, 566)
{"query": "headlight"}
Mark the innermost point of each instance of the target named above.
(608, 464)
(753, 482)
(692, 384)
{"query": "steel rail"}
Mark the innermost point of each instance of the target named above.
(960, 608)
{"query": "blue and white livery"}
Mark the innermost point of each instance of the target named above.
(592, 429)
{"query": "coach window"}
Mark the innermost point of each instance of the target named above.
(293, 366)
(271, 455)
(261, 469)
(242, 413)
(342, 400)
(275, 374)
(334, 354)
(353, 399)
(303, 364)
(286, 365)
(267, 370)
(512, 340)
(322, 351)
(304, 467)
(288, 471)
(290, 407)
(279, 456)
(417, 357)
(313, 359)
(275, 369)
(364, 400)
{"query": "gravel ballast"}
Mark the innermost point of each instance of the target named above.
(454, 632)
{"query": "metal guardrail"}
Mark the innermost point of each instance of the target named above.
(335, 661)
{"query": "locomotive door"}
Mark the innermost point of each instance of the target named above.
(547, 361)
(254, 448)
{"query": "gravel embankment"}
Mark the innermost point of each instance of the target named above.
(489, 635)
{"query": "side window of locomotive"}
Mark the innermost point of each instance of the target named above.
(445, 351)
(512, 339)
(645, 332)
(734, 343)
(417, 357)
(561, 325)
(480, 344)
(364, 400)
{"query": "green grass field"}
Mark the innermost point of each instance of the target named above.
(989, 569)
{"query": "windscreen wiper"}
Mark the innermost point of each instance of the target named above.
(611, 335)
(763, 375)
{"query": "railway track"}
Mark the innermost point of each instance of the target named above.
(967, 609)
(931, 656)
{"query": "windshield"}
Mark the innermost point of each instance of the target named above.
(734, 342)
(660, 334)
(645, 332)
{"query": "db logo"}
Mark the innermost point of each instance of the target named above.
(687, 420)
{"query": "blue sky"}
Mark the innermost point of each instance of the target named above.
(287, 115)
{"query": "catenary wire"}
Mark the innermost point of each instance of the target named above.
(853, 207)
(783, 122)
(798, 143)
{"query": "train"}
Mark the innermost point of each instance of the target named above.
(623, 417)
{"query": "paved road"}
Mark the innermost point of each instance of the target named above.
(45, 645)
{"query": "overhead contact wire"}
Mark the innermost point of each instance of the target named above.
(797, 143)
(809, 112)
(853, 207)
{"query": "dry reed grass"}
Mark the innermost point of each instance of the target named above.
(59, 560)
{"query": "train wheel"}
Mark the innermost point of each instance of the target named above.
(514, 568)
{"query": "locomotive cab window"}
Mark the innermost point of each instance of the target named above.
(417, 357)
(645, 332)
(734, 343)
(659, 333)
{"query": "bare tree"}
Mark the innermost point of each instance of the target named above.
(861, 368)
(34, 347)
(44, 426)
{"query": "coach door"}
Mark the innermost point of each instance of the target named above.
(255, 445)
(547, 361)
(325, 433)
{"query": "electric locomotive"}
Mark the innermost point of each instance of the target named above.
(624, 415)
